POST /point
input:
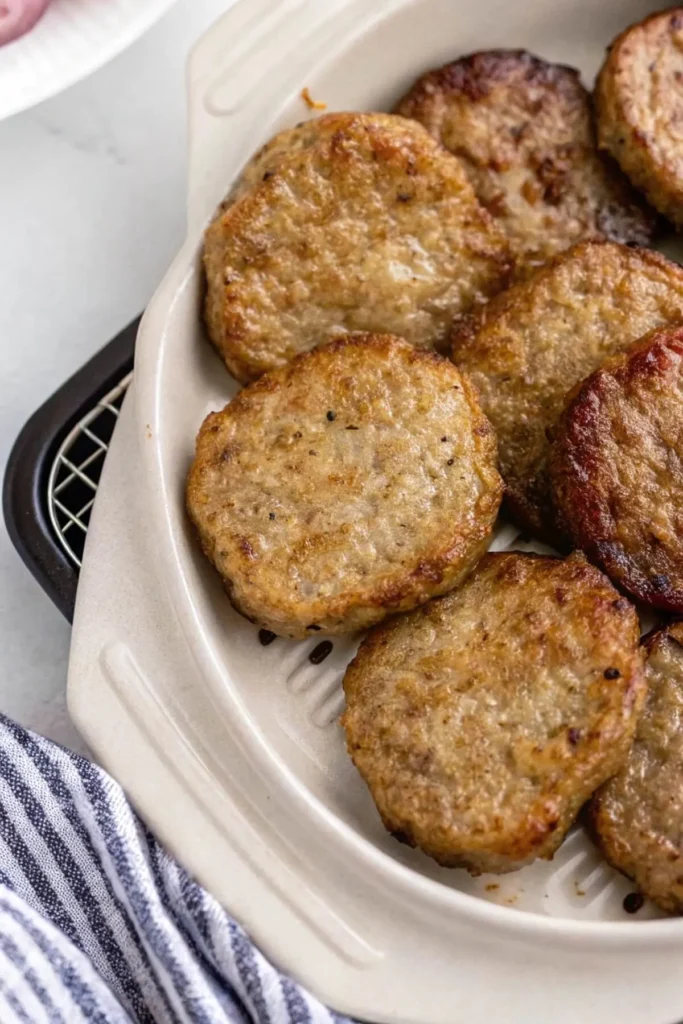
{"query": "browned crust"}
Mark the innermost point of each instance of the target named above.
(523, 128)
(476, 75)
(398, 693)
(673, 631)
(442, 563)
(598, 463)
(631, 108)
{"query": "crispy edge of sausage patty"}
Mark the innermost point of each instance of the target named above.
(616, 469)
(532, 344)
(637, 817)
(523, 128)
(484, 720)
(637, 97)
(374, 228)
(357, 481)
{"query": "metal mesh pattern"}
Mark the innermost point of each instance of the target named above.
(76, 470)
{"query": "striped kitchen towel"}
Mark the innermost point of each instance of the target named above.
(99, 924)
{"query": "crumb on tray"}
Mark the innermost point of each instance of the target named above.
(310, 102)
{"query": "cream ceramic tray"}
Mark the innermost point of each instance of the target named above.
(232, 751)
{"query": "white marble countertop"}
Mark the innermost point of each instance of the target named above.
(92, 207)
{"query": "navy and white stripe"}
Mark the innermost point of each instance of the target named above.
(99, 924)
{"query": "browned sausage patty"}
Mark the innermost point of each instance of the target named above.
(617, 469)
(357, 481)
(535, 342)
(524, 131)
(483, 721)
(638, 815)
(639, 100)
(374, 227)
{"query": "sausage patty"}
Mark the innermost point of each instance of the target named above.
(482, 722)
(535, 342)
(357, 481)
(617, 469)
(372, 228)
(638, 815)
(640, 106)
(524, 131)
